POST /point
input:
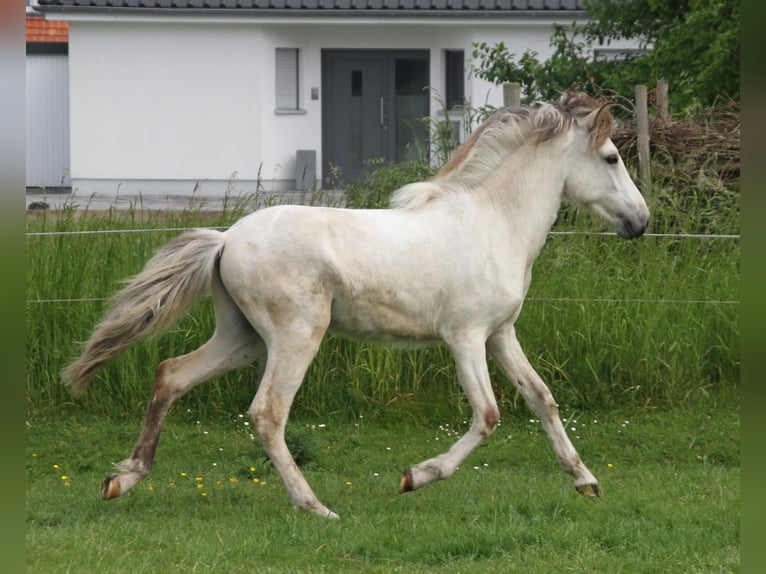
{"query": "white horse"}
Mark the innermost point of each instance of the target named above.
(450, 261)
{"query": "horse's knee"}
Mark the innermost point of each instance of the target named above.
(258, 419)
(491, 418)
(265, 421)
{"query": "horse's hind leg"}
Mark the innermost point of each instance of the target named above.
(234, 344)
(290, 352)
(505, 348)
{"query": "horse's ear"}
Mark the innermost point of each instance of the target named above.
(595, 117)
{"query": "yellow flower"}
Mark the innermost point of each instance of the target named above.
(256, 480)
(252, 469)
(233, 479)
(171, 483)
(151, 488)
(610, 465)
(204, 494)
(64, 477)
(183, 474)
(200, 485)
(198, 479)
(67, 483)
(348, 483)
(55, 466)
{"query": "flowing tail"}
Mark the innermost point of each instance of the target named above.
(153, 301)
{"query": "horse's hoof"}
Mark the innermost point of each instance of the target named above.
(316, 507)
(111, 487)
(405, 484)
(588, 490)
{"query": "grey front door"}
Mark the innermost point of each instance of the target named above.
(372, 105)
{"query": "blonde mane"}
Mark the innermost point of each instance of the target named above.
(501, 134)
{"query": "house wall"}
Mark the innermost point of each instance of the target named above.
(175, 107)
(157, 108)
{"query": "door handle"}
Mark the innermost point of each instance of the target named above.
(382, 111)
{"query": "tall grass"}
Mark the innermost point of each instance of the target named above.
(606, 321)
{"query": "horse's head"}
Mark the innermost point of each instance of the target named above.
(597, 178)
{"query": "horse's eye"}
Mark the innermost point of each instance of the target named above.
(612, 159)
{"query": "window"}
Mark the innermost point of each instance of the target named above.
(287, 79)
(454, 78)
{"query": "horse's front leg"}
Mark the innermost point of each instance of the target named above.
(471, 363)
(505, 348)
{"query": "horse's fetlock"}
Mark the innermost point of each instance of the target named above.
(133, 465)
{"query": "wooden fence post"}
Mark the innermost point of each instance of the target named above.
(662, 100)
(642, 139)
(511, 94)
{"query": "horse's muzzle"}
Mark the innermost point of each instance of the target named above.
(630, 228)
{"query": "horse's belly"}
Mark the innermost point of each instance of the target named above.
(380, 321)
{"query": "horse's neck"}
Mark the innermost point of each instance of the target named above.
(526, 193)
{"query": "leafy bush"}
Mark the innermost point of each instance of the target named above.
(694, 45)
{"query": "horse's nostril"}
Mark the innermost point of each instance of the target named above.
(631, 230)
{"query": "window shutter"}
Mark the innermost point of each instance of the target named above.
(287, 78)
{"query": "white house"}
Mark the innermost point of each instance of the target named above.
(173, 96)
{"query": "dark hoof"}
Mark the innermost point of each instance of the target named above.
(111, 487)
(588, 490)
(405, 484)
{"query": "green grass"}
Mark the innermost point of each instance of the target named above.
(670, 482)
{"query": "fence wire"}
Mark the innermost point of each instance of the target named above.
(180, 229)
(535, 299)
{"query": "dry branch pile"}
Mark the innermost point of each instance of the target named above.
(704, 146)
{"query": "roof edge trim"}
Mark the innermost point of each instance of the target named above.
(320, 14)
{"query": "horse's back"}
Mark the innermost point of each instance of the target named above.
(328, 237)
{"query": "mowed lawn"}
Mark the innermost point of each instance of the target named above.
(669, 482)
